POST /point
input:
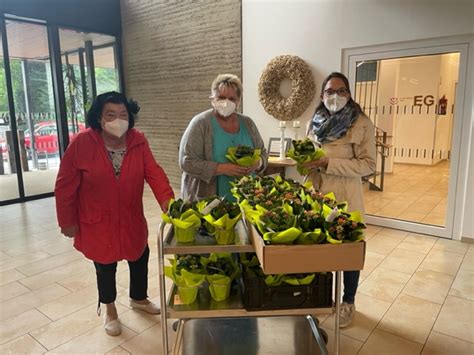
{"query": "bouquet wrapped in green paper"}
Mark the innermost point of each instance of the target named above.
(302, 152)
(312, 225)
(253, 269)
(277, 226)
(221, 220)
(187, 282)
(343, 227)
(243, 155)
(221, 270)
(184, 218)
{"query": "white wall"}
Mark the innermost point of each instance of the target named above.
(318, 30)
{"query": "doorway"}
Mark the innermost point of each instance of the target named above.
(44, 98)
(414, 98)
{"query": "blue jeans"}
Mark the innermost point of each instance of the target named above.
(351, 281)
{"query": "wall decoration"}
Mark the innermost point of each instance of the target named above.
(302, 82)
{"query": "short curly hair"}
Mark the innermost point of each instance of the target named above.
(228, 80)
(95, 112)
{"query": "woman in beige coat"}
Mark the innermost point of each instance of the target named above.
(347, 136)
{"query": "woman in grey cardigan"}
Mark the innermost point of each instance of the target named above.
(206, 170)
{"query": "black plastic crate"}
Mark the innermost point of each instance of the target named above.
(258, 296)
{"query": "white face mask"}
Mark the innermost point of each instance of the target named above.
(224, 107)
(116, 127)
(335, 102)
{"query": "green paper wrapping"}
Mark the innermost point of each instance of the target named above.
(244, 161)
(295, 281)
(223, 228)
(185, 227)
(219, 286)
(188, 283)
(315, 237)
(304, 158)
(287, 236)
(188, 295)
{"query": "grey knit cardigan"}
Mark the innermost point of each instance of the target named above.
(195, 155)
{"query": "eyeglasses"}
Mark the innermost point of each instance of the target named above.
(340, 91)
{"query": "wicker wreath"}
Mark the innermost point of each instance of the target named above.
(302, 82)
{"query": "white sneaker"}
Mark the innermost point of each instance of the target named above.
(113, 327)
(151, 308)
(346, 314)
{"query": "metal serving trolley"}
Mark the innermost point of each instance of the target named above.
(231, 314)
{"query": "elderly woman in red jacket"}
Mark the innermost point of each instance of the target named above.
(99, 193)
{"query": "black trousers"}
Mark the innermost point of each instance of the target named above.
(138, 279)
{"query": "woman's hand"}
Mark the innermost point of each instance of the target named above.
(70, 232)
(230, 169)
(318, 163)
(255, 166)
(164, 206)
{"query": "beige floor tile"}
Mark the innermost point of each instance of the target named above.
(95, 341)
(429, 285)
(58, 273)
(410, 215)
(463, 285)
(382, 244)
(117, 351)
(11, 290)
(148, 342)
(70, 303)
(29, 300)
(418, 243)
(383, 343)
(50, 263)
(22, 345)
(21, 324)
(9, 276)
(372, 260)
(468, 261)
(435, 219)
(442, 261)
(67, 328)
(384, 284)
(137, 320)
(369, 311)
(371, 230)
(406, 312)
(79, 281)
(453, 246)
(395, 233)
(403, 260)
(23, 260)
(456, 319)
(440, 344)
(347, 345)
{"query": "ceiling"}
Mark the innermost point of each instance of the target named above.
(30, 41)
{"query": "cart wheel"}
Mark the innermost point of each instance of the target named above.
(324, 334)
(176, 323)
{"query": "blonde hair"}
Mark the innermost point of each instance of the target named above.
(226, 80)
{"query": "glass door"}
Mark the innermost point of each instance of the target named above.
(413, 101)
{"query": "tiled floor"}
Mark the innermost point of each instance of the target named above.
(416, 294)
(415, 193)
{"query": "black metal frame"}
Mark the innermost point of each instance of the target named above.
(58, 88)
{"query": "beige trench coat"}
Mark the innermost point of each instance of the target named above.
(350, 158)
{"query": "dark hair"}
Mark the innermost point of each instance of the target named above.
(95, 112)
(321, 109)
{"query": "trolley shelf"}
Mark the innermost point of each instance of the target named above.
(205, 244)
(206, 307)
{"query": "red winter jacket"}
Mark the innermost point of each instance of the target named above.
(108, 210)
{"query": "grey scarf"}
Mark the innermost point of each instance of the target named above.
(328, 128)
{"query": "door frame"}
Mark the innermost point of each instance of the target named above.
(461, 131)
